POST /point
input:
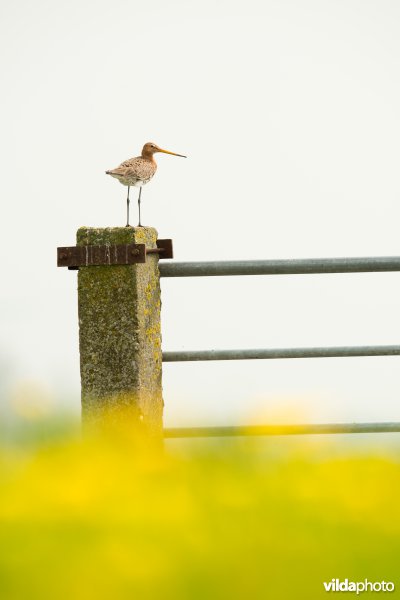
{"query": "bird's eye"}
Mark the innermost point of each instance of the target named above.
(153, 145)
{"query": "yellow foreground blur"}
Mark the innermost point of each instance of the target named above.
(234, 519)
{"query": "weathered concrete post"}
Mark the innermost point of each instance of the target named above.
(120, 334)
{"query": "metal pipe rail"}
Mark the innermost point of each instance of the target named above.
(302, 266)
(274, 353)
(265, 430)
(281, 267)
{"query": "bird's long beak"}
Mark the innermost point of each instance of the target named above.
(173, 153)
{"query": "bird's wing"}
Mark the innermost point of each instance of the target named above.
(118, 171)
(131, 162)
(130, 173)
(140, 167)
(135, 167)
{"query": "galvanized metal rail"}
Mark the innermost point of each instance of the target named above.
(281, 267)
(265, 430)
(302, 266)
(274, 353)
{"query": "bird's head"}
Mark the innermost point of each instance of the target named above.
(149, 149)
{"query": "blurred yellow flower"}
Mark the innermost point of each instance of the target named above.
(31, 400)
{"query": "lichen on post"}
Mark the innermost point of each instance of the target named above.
(120, 335)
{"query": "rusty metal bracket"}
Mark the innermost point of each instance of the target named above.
(164, 249)
(74, 257)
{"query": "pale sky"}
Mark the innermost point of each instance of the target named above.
(289, 114)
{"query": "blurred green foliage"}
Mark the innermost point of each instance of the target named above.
(231, 519)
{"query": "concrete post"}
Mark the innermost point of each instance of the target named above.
(120, 334)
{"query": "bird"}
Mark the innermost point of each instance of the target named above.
(138, 171)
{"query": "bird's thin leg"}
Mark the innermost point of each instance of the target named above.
(140, 193)
(127, 209)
